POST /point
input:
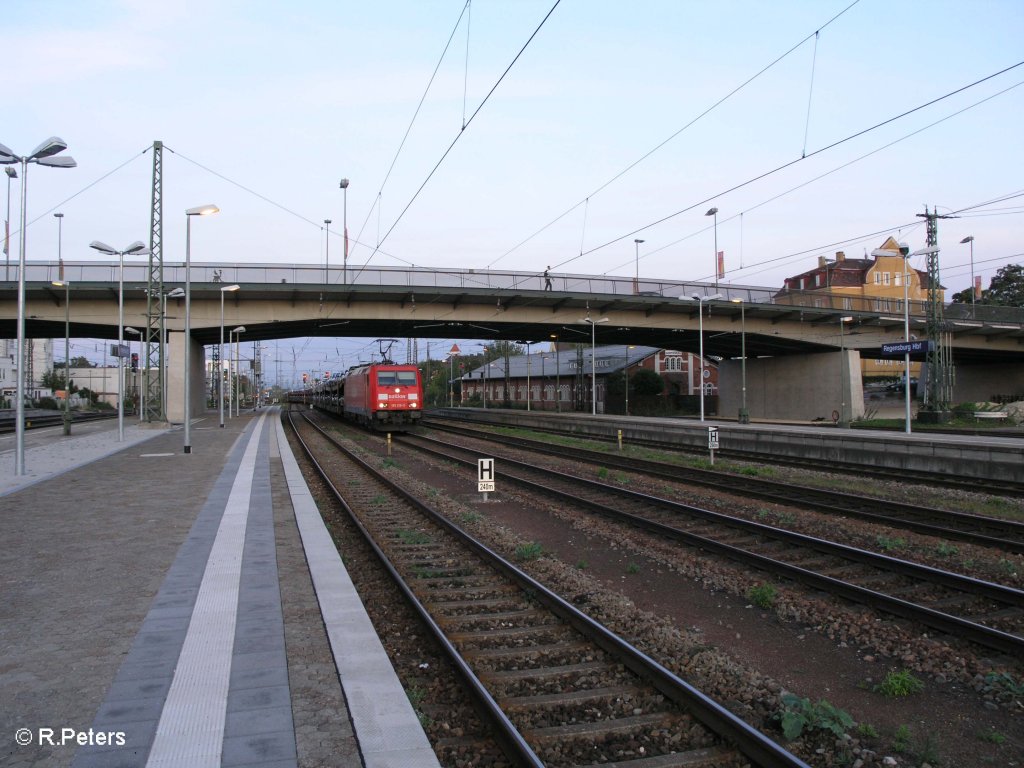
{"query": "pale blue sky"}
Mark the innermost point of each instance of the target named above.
(285, 99)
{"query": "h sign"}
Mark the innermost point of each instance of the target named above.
(485, 475)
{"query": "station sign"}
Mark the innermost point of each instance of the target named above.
(900, 348)
(485, 475)
(712, 438)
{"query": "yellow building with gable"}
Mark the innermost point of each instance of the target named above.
(874, 284)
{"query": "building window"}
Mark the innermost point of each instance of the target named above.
(897, 279)
(674, 363)
(885, 278)
(878, 278)
(817, 280)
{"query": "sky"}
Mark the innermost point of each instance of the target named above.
(613, 122)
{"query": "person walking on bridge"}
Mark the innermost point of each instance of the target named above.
(547, 278)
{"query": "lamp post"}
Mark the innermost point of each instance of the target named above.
(135, 386)
(527, 343)
(344, 268)
(701, 300)
(593, 360)
(713, 212)
(60, 236)
(843, 374)
(177, 293)
(11, 174)
(41, 155)
(220, 353)
(327, 252)
(744, 417)
(970, 239)
(238, 369)
(67, 353)
(558, 373)
(136, 248)
(200, 210)
(636, 279)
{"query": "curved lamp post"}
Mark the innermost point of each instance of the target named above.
(199, 210)
(138, 399)
(220, 352)
(136, 248)
(701, 300)
(238, 373)
(970, 239)
(714, 212)
(41, 155)
(744, 413)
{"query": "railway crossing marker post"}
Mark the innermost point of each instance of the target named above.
(485, 476)
(712, 443)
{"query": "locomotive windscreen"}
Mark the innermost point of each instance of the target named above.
(391, 378)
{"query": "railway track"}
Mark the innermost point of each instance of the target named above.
(1006, 535)
(7, 424)
(981, 612)
(559, 688)
(994, 487)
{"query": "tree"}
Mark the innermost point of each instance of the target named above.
(1005, 290)
(645, 382)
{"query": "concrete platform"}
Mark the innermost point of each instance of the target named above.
(167, 609)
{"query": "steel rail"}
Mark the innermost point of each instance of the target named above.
(751, 742)
(1003, 534)
(989, 637)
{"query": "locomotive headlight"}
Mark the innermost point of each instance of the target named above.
(382, 405)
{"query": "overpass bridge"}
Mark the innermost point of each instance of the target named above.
(791, 344)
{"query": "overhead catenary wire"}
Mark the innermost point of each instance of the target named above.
(793, 162)
(677, 133)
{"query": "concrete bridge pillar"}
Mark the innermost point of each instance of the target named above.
(798, 387)
(176, 351)
(980, 383)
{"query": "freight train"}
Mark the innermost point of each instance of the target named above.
(380, 396)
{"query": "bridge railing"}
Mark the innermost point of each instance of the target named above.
(136, 274)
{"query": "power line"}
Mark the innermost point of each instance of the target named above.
(692, 122)
(467, 123)
(795, 161)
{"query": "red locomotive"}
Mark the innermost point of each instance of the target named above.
(381, 396)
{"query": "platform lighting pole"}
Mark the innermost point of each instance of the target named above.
(177, 293)
(67, 353)
(970, 239)
(41, 155)
(220, 353)
(11, 174)
(701, 300)
(593, 359)
(327, 253)
(843, 372)
(136, 248)
(344, 223)
(744, 417)
(238, 369)
(558, 374)
(905, 252)
(527, 343)
(713, 212)
(636, 279)
(138, 389)
(200, 210)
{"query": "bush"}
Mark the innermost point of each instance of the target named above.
(763, 595)
(800, 715)
(897, 684)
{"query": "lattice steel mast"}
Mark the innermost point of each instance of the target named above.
(153, 397)
(940, 363)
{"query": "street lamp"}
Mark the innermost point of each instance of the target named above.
(60, 232)
(714, 212)
(593, 360)
(636, 279)
(970, 239)
(238, 372)
(744, 413)
(41, 155)
(136, 248)
(135, 386)
(701, 300)
(327, 252)
(843, 375)
(11, 174)
(176, 293)
(344, 188)
(220, 352)
(558, 373)
(200, 210)
(527, 343)
(67, 353)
